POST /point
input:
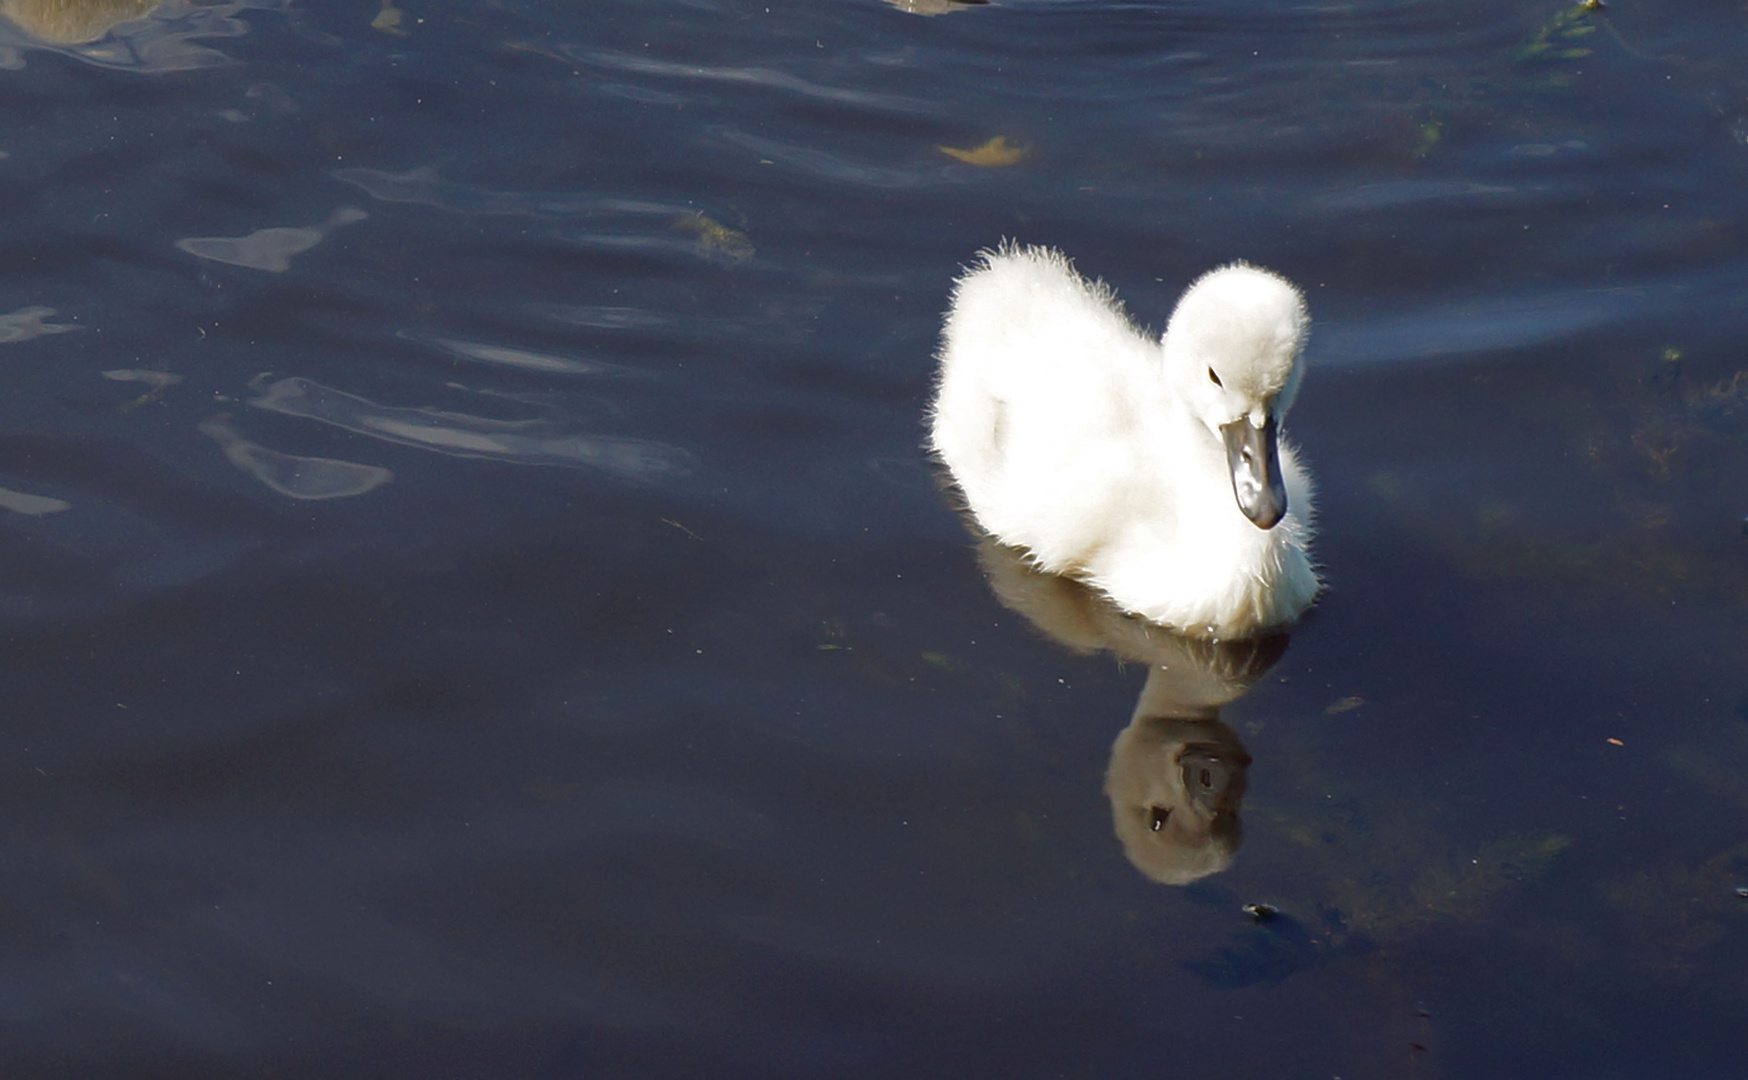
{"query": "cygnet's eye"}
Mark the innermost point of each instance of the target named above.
(1214, 377)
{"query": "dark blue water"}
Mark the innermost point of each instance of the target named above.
(472, 602)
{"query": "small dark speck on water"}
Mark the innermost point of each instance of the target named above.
(1261, 912)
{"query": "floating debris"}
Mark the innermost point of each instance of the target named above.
(994, 154)
(682, 528)
(1554, 40)
(1261, 912)
(716, 241)
(388, 20)
(1427, 137)
(1346, 704)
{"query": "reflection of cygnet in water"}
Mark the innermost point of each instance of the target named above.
(68, 22)
(1151, 469)
(1176, 785)
(1177, 774)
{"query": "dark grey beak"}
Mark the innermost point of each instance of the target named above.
(1254, 455)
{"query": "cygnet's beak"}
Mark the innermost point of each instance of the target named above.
(1209, 775)
(1254, 455)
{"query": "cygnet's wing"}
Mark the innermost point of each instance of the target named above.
(1041, 375)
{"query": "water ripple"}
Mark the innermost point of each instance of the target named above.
(829, 165)
(27, 323)
(268, 249)
(423, 186)
(1399, 193)
(308, 478)
(768, 78)
(485, 352)
(22, 502)
(524, 442)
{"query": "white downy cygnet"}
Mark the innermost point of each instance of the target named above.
(1151, 469)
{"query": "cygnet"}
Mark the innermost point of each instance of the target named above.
(1153, 470)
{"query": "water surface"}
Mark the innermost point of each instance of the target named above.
(474, 602)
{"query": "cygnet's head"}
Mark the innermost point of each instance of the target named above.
(1233, 348)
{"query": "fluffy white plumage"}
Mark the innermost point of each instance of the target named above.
(1111, 457)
